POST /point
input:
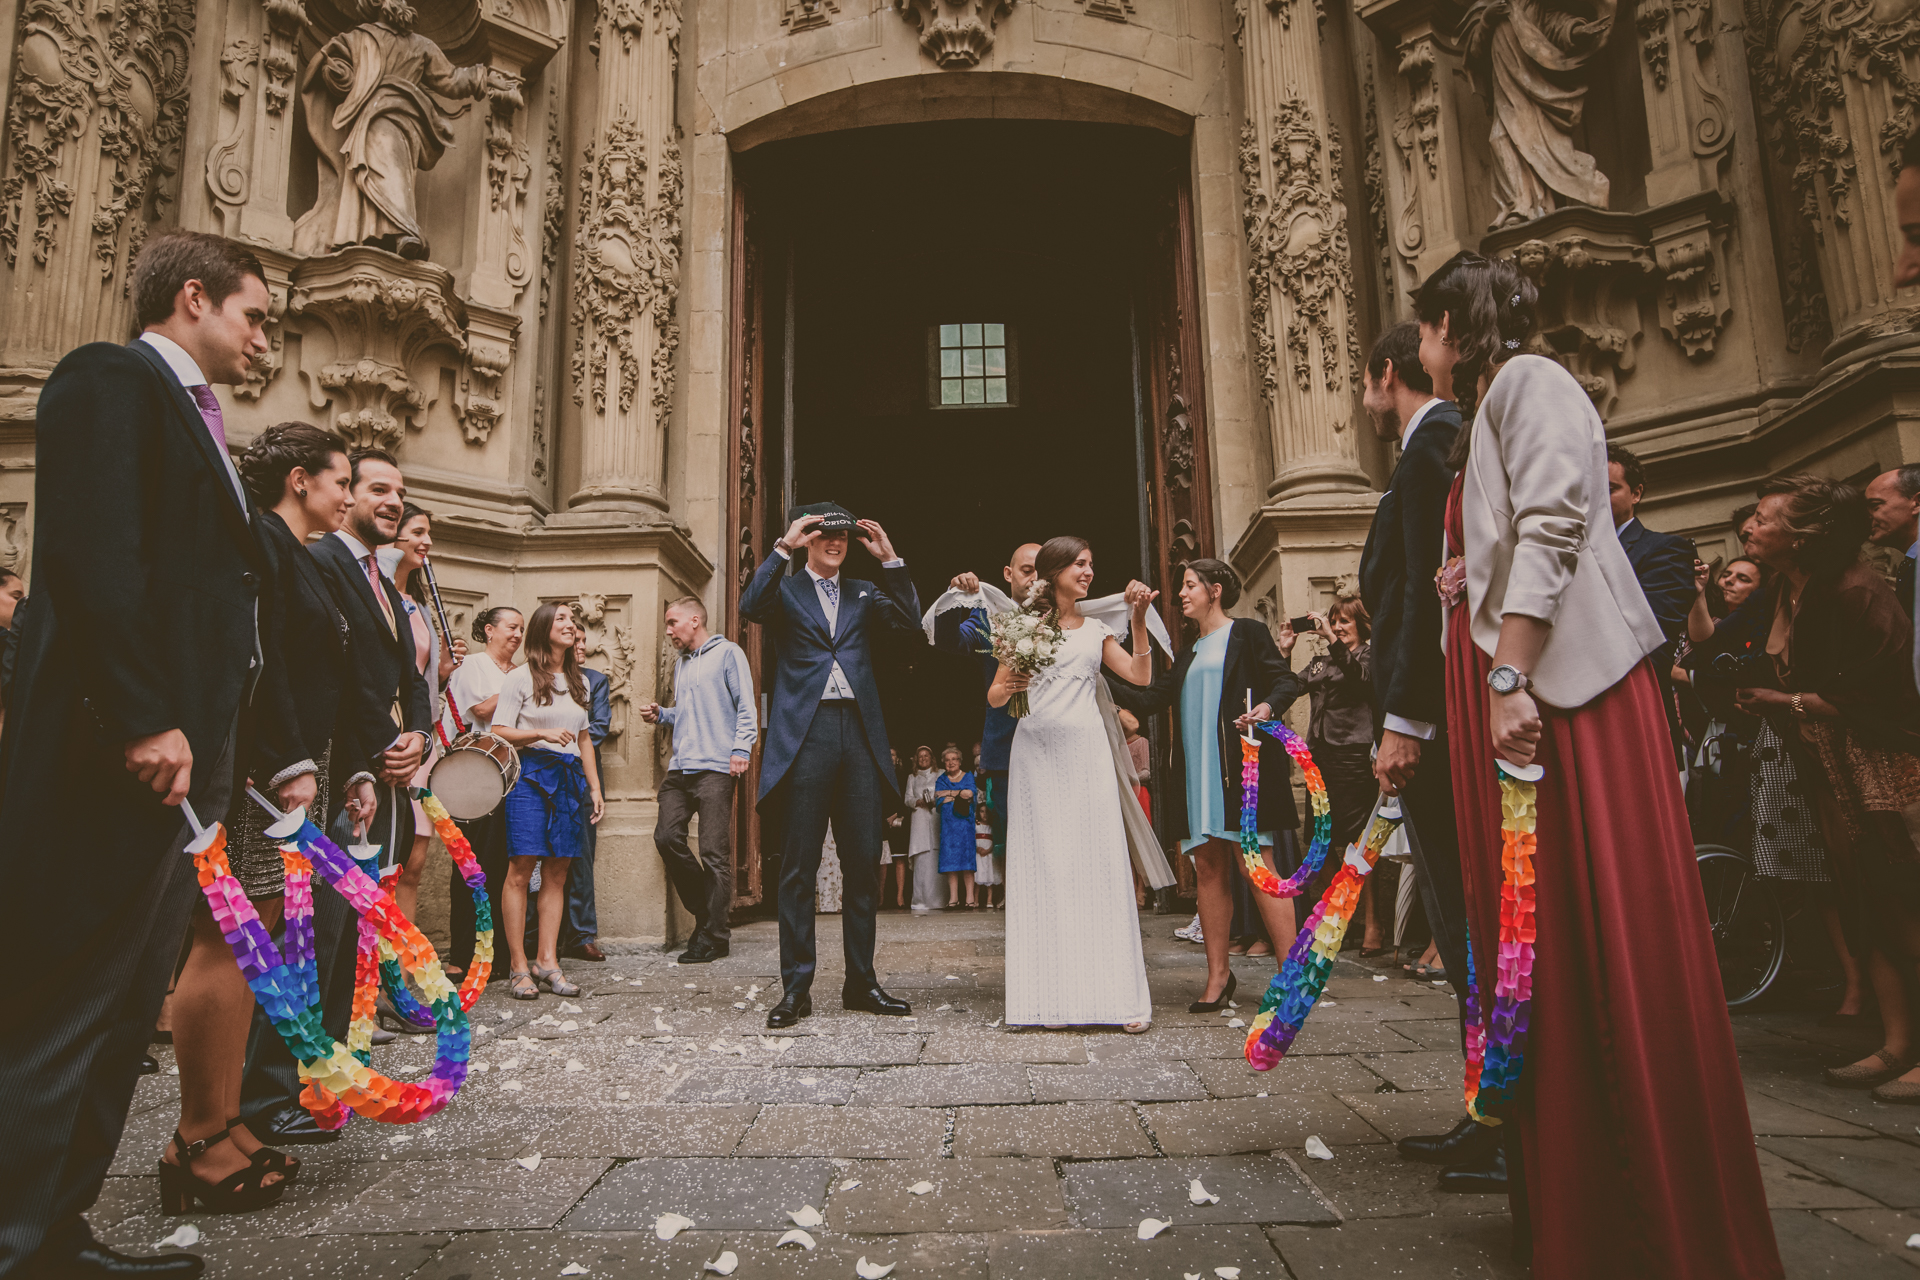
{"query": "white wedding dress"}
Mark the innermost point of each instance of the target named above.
(1073, 936)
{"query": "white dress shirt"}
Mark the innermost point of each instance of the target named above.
(837, 685)
(187, 370)
(1400, 724)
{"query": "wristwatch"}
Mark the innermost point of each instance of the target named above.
(1506, 678)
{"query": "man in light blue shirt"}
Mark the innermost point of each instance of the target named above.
(713, 734)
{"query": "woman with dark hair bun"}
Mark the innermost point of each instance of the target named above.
(1627, 1138)
(1230, 676)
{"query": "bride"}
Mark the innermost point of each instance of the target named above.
(1073, 938)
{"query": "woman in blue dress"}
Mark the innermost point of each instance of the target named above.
(1233, 661)
(958, 857)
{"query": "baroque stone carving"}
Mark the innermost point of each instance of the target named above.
(1529, 60)
(955, 33)
(371, 112)
(1297, 237)
(613, 644)
(1177, 441)
(1591, 269)
(626, 269)
(1111, 10)
(286, 19)
(490, 334)
(538, 441)
(15, 536)
(804, 15)
(120, 68)
(554, 209)
(1694, 305)
(383, 313)
(1374, 180)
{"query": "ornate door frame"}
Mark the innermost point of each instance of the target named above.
(746, 514)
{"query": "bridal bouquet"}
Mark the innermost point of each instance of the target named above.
(1026, 642)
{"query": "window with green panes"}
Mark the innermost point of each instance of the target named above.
(972, 366)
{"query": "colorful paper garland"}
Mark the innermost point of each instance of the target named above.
(287, 983)
(1258, 871)
(1497, 1046)
(1295, 990)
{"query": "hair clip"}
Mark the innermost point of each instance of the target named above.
(1515, 301)
(1513, 344)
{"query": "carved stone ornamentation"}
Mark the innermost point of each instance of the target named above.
(1177, 438)
(1111, 10)
(553, 220)
(1651, 23)
(804, 15)
(613, 645)
(490, 342)
(1694, 304)
(384, 313)
(1374, 180)
(16, 536)
(286, 19)
(955, 33)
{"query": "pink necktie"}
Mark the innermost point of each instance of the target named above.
(373, 580)
(210, 410)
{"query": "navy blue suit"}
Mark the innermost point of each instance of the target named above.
(1664, 564)
(827, 760)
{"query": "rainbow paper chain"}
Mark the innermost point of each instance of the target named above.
(1303, 976)
(1497, 1046)
(287, 984)
(1258, 871)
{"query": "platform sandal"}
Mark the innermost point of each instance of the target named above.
(276, 1160)
(242, 1191)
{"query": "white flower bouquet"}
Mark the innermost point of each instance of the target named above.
(1026, 642)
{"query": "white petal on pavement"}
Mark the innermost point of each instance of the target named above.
(920, 1188)
(568, 1006)
(725, 1264)
(573, 1269)
(185, 1237)
(1237, 1022)
(872, 1270)
(658, 1025)
(1379, 977)
(1316, 1148)
(1913, 1241)
(529, 1163)
(1151, 1227)
(805, 1216)
(621, 1095)
(669, 1225)
(574, 1064)
(511, 1086)
(796, 1236)
(850, 1184)
(1198, 1194)
(1227, 1273)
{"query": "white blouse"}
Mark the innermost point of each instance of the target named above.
(518, 710)
(477, 678)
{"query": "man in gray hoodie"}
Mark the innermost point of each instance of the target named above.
(714, 728)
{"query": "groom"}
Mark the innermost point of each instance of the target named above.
(826, 753)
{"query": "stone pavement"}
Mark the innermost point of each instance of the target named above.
(954, 1149)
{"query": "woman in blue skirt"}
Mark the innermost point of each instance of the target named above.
(953, 790)
(542, 711)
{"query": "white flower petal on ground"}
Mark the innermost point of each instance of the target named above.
(725, 1264)
(1236, 1022)
(1379, 977)
(1151, 1227)
(805, 1216)
(1190, 1275)
(569, 1025)
(573, 1269)
(658, 1025)
(850, 1184)
(692, 986)
(506, 1016)
(480, 1067)
(872, 1270)
(574, 1064)
(1227, 1273)
(993, 1024)
(739, 1004)
(796, 1236)
(568, 1006)
(920, 1188)
(529, 1163)
(809, 1081)
(1913, 1241)
(511, 1086)
(943, 1008)
(621, 1095)
(1198, 1194)
(669, 1225)
(1316, 1148)
(185, 1237)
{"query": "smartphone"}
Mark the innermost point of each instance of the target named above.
(1303, 625)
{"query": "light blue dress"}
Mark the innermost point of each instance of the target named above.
(1200, 736)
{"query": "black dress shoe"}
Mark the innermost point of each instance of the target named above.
(1466, 1143)
(874, 1000)
(1482, 1177)
(149, 1065)
(296, 1125)
(704, 953)
(79, 1256)
(793, 1006)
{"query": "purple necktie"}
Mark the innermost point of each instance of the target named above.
(210, 410)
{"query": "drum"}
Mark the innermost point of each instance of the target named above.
(475, 775)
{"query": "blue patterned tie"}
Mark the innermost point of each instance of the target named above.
(832, 587)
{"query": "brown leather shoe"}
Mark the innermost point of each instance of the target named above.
(583, 951)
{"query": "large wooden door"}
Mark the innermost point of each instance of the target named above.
(747, 509)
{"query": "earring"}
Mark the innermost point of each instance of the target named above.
(300, 493)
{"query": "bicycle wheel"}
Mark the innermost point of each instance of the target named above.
(1748, 923)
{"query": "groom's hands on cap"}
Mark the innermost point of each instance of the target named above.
(802, 531)
(875, 540)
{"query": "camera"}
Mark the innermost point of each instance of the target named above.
(1303, 625)
(1738, 666)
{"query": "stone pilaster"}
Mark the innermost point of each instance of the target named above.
(626, 262)
(1300, 281)
(246, 167)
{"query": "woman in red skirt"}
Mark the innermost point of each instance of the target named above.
(1633, 1154)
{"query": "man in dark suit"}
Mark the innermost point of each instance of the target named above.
(1893, 505)
(135, 660)
(826, 753)
(1404, 549)
(1664, 564)
(580, 929)
(387, 754)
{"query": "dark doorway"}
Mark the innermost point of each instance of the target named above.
(885, 236)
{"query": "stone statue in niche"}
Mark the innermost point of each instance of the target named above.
(1529, 60)
(370, 106)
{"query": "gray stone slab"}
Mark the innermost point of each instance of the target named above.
(881, 1133)
(1374, 1182)
(1292, 1078)
(1075, 1130)
(996, 1044)
(1421, 1069)
(1774, 1117)
(1117, 1255)
(823, 1086)
(1137, 1082)
(1472, 1247)
(318, 1257)
(1358, 1037)
(1885, 1229)
(629, 1129)
(1788, 1186)
(834, 1257)
(1813, 1248)
(1804, 1088)
(961, 1085)
(1259, 1189)
(1882, 1168)
(876, 1043)
(1167, 1044)
(466, 1195)
(1229, 1126)
(719, 1195)
(1399, 1115)
(314, 1197)
(541, 1255)
(1428, 1033)
(967, 1195)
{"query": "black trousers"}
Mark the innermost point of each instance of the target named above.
(1434, 838)
(488, 837)
(704, 880)
(272, 1079)
(833, 778)
(109, 929)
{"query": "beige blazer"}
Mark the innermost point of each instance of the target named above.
(1540, 536)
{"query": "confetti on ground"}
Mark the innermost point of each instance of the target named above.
(1227, 1273)
(669, 1225)
(872, 1270)
(920, 1188)
(850, 1184)
(1237, 1022)
(725, 1264)
(993, 1024)
(506, 1017)
(529, 1163)
(796, 1236)
(658, 1025)
(511, 1086)
(1151, 1227)
(568, 1006)
(185, 1238)
(805, 1216)
(1199, 1194)
(1317, 1149)
(574, 1064)
(621, 1095)
(1379, 977)
(573, 1269)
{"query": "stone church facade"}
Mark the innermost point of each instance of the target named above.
(556, 327)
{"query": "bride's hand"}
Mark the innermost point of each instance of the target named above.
(1140, 596)
(1016, 682)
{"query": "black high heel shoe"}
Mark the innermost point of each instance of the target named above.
(1215, 1006)
(276, 1160)
(242, 1191)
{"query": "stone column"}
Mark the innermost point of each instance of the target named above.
(1300, 281)
(626, 263)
